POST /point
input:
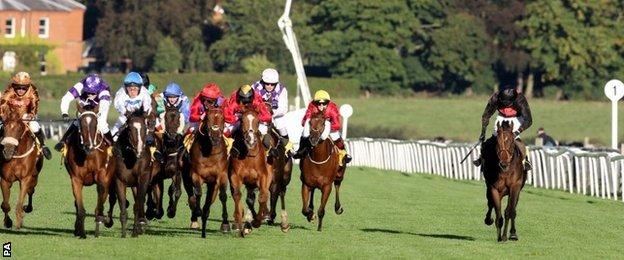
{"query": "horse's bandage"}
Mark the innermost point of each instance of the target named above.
(9, 140)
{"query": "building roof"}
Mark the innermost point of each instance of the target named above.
(40, 5)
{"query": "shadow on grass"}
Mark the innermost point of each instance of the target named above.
(28, 231)
(543, 194)
(444, 236)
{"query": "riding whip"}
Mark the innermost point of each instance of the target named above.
(469, 152)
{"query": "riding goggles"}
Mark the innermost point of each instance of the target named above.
(20, 87)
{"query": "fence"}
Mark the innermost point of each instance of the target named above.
(598, 174)
(54, 130)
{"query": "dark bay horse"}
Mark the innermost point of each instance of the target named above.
(88, 162)
(133, 169)
(171, 145)
(319, 169)
(208, 165)
(22, 162)
(249, 167)
(504, 175)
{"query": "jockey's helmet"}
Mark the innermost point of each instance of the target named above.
(91, 83)
(21, 78)
(133, 78)
(506, 96)
(173, 90)
(146, 79)
(270, 76)
(321, 95)
(210, 91)
(245, 94)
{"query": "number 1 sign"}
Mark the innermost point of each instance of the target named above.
(614, 90)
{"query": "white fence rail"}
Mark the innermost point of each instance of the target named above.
(598, 174)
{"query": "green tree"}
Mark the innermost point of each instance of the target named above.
(168, 57)
(256, 63)
(198, 59)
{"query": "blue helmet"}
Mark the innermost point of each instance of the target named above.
(133, 78)
(173, 89)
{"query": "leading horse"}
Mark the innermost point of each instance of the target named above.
(22, 162)
(88, 162)
(319, 169)
(504, 175)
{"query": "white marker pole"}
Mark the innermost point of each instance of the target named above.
(346, 111)
(614, 90)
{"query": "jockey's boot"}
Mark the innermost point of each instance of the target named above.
(304, 145)
(478, 162)
(229, 142)
(156, 154)
(524, 151)
(108, 138)
(288, 146)
(343, 156)
(59, 146)
(46, 152)
(266, 141)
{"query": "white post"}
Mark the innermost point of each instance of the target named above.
(614, 90)
(346, 111)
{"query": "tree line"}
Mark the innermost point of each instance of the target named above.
(567, 47)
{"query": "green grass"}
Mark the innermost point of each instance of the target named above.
(387, 215)
(460, 118)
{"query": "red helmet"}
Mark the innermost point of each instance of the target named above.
(211, 91)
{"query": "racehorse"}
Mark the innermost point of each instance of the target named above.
(22, 161)
(208, 164)
(504, 175)
(133, 169)
(88, 162)
(171, 143)
(319, 169)
(249, 167)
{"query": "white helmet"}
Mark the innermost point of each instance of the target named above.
(270, 76)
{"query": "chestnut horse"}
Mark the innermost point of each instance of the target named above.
(319, 169)
(249, 167)
(504, 175)
(171, 143)
(133, 169)
(22, 161)
(208, 165)
(88, 163)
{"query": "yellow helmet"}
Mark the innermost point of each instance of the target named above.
(321, 95)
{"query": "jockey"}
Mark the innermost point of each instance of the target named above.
(173, 96)
(513, 107)
(131, 97)
(322, 102)
(91, 90)
(21, 97)
(275, 93)
(209, 96)
(243, 96)
(152, 91)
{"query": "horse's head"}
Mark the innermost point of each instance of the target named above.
(137, 131)
(88, 121)
(249, 126)
(14, 130)
(172, 120)
(214, 124)
(317, 126)
(505, 144)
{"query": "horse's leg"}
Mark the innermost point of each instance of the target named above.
(305, 199)
(496, 197)
(337, 206)
(283, 215)
(325, 192)
(188, 187)
(251, 201)
(490, 203)
(263, 200)
(150, 213)
(274, 190)
(102, 190)
(112, 198)
(174, 195)
(225, 224)
(235, 188)
(160, 212)
(6, 207)
(211, 195)
(123, 210)
(25, 186)
(139, 215)
(29, 208)
(196, 200)
(514, 197)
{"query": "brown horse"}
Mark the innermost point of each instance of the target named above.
(22, 161)
(208, 165)
(249, 167)
(171, 143)
(88, 163)
(504, 175)
(133, 169)
(319, 169)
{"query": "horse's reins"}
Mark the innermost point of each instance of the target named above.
(97, 146)
(331, 151)
(32, 146)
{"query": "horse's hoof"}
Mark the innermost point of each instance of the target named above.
(171, 213)
(256, 223)
(246, 231)
(285, 228)
(194, 225)
(8, 223)
(225, 228)
(160, 214)
(513, 237)
(149, 214)
(271, 222)
(339, 211)
(108, 223)
(28, 208)
(502, 239)
(488, 221)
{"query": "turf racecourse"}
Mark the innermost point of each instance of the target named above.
(387, 215)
